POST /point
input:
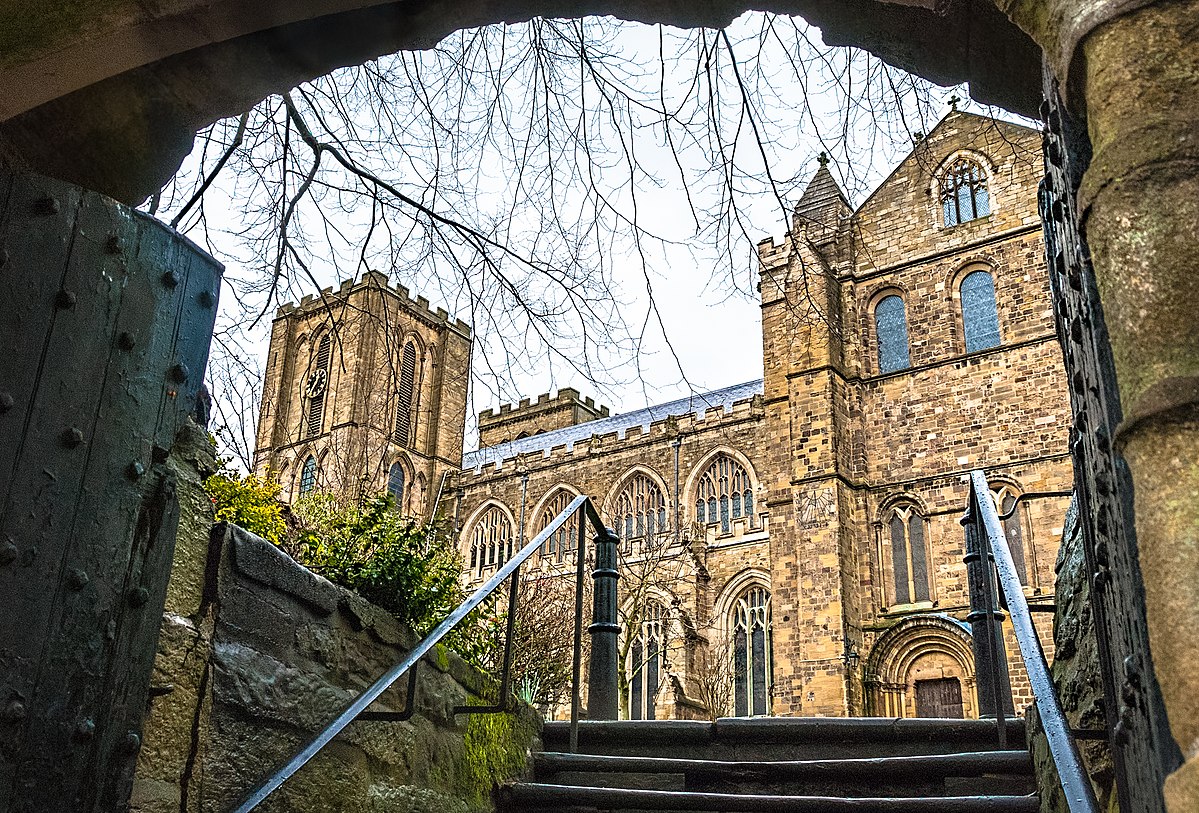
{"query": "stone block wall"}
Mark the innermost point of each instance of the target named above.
(698, 573)
(370, 322)
(256, 654)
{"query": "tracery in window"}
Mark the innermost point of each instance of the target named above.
(405, 395)
(964, 194)
(724, 493)
(316, 385)
(980, 319)
(909, 555)
(560, 544)
(647, 662)
(1013, 527)
(395, 483)
(891, 330)
(752, 655)
(641, 510)
(491, 540)
(308, 476)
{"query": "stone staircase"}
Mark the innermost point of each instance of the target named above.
(798, 765)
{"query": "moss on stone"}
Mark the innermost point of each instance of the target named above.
(496, 749)
(442, 656)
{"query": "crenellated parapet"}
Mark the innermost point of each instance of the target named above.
(534, 417)
(417, 306)
(698, 413)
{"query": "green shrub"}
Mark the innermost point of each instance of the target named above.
(395, 562)
(251, 502)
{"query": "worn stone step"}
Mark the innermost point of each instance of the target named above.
(528, 797)
(996, 772)
(784, 738)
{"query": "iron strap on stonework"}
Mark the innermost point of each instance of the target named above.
(602, 679)
(985, 537)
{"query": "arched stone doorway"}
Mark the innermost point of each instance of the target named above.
(922, 667)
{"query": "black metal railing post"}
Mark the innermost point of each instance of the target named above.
(603, 692)
(986, 620)
(989, 560)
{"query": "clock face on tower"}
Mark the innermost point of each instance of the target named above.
(316, 383)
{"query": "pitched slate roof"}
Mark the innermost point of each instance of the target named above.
(691, 405)
(822, 197)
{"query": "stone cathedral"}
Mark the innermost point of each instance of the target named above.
(790, 543)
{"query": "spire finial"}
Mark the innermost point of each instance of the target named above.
(953, 102)
(823, 159)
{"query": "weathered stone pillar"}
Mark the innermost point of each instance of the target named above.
(1139, 206)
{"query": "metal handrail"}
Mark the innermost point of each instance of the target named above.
(986, 543)
(602, 697)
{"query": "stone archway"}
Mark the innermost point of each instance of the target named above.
(125, 128)
(919, 648)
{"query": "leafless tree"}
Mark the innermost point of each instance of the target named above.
(713, 677)
(514, 172)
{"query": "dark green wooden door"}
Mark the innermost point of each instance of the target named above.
(105, 322)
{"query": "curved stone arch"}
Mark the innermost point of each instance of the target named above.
(981, 158)
(700, 468)
(301, 459)
(897, 499)
(1018, 528)
(904, 500)
(625, 478)
(409, 475)
(894, 664)
(468, 527)
(280, 474)
(550, 494)
(933, 190)
(868, 322)
(733, 589)
(953, 293)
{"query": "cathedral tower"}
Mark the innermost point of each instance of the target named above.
(365, 390)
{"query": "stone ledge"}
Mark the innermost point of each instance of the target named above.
(266, 564)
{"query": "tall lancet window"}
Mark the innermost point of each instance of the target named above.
(724, 494)
(909, 555)
(751, 653)
(560, 544)
(308, 476)
(964, 192)
(395, 484)
(891, 330)
(1013, 527)
(641, 510)
(980, 319)
(406, 395)
(316, 386)
(491, 541)
(647, 662)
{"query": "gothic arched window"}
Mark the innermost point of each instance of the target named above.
(891, 330)
(1013, 527)
(395, 483)
(405, 395)
(980, 318)
(641, 509)
(316, 386)
(561, 543)
(647, 662)
(308, 476)
(909, 555)
(491, 540)
(724, 493)
(964, 192)
(752, 656)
